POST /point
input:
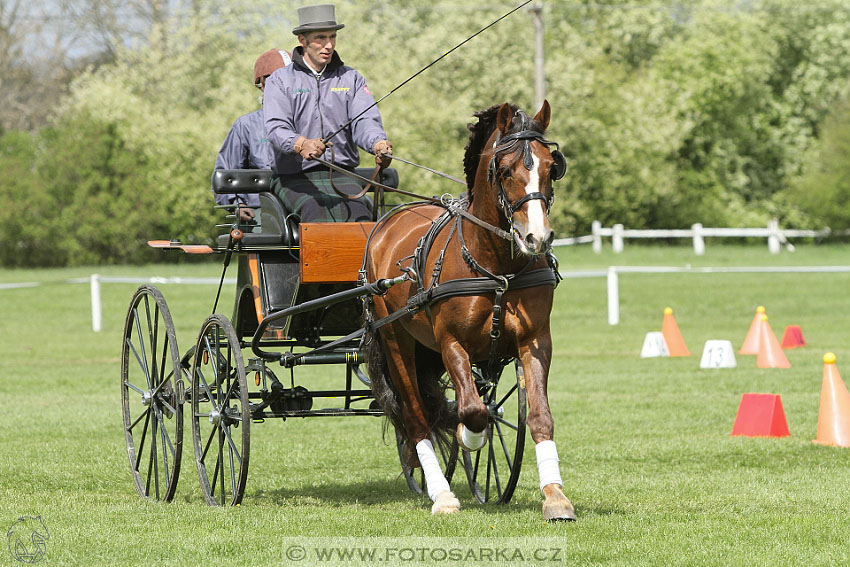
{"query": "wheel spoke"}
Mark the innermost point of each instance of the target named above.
(505, 422)
(132, 387)
(142, 357)
(154, 336)
(503, 444)
(214, 479)
(152, 462)
(138, 419)
(149, 365)
(209, 443)
(231, 450)
(199, 376)
(221, 462)
(492, 458)
(506, 396)
(487, 478)
(144, 437)
(167, 406)
(165, 444)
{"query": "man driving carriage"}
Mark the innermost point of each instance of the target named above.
(307, 106)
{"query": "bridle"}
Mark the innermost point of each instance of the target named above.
(508, 145)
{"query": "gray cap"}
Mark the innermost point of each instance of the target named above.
(318, 17)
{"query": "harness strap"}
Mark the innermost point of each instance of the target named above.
(454, 288)
(496, 327)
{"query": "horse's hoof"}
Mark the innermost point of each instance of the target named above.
(556, 506)
(471, 442)
(446, 503)
(560, 511)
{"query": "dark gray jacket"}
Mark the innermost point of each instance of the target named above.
(245, 147)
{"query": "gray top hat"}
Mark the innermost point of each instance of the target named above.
(318, 17)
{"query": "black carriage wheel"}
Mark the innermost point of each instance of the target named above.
(220, 413)
(416, 477)
(152, 395)
(493, 471)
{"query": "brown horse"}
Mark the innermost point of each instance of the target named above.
(509, 170)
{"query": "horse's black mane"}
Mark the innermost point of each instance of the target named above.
(479, 134)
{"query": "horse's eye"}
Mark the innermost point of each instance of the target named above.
(505, 172)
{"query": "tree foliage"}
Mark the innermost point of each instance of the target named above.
(714, 111)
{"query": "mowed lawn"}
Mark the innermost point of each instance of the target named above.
(646, 452)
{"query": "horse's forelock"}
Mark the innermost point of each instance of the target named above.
(481, 131)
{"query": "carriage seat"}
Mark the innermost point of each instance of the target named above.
(279, 227)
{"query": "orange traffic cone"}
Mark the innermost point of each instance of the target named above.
(751, 343)
(760, 415)
(675, 343)
(834, 416)
(770, 353)
(793, 337)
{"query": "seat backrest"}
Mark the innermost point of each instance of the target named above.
(231, 181)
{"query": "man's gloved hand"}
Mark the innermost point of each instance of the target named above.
(383, 153)
(244, 212)
(309, 149)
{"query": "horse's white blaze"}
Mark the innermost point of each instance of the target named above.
(548, 463)
(534, 209)
(434, 478)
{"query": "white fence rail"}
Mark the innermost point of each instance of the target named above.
(612, 274)
(776, 237)
(95, 280)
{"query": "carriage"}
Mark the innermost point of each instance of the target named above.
(300, 294)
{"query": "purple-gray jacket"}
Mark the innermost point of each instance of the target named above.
(245, 147)
(298, 103)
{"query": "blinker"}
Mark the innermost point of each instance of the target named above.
(559, 168)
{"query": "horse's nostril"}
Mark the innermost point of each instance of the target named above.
(551, 238)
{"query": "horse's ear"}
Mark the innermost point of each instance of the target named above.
(504, 119)
(544, 114)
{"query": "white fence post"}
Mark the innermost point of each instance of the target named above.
(617, 238)
(595, 228)
(699, 241)
(613, 296)
(773, 238)
(96, 319)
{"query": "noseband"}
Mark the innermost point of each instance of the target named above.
(509, 144)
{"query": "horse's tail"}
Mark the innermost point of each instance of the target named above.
(383, 389)
(442, 419)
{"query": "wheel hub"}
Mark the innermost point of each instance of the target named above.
(215, 417)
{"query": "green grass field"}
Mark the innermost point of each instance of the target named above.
(646, 452)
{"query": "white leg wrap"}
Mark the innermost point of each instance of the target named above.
(547, 463)
(473, 441)
(434, 477)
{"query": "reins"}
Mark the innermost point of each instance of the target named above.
(462, 212)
